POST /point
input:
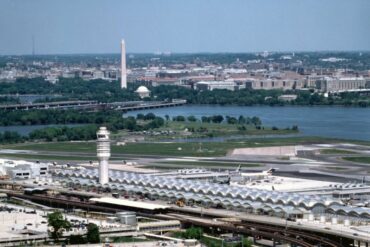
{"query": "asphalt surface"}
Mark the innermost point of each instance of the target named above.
(309, 164)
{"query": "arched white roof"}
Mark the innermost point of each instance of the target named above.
(142, 89)
(209, 192)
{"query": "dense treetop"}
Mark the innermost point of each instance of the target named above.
(104, 91)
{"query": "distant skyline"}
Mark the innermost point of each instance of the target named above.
(183, 26)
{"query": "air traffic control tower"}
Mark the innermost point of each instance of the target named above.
(103, 154)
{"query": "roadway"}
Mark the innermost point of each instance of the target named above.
(47, 105)
(85, 104)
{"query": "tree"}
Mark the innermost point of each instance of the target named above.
(193, 233)
(231, 120)
(77, 239)
(247, 242)
(179, 118)
(256, 121)
(93, 234)
(140, 116)
(242, 128)
(149, 116)
(217, 118)
(241, 120)
(192, 119)
(58, 224)
(206, 119)
(155, 123)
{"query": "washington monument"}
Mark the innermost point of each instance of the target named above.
(123, 65)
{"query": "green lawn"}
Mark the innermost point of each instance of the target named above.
(45, 157)
(201, 130)
(173, 149)
(365, 159)
(86, 147)
(203, 164)
(336, 151)
(222, 128)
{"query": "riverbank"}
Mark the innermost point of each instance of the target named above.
(325, 121)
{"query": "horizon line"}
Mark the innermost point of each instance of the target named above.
(186, 53)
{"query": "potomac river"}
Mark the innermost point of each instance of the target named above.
(325, 121)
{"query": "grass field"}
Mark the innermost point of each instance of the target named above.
(54, 157)
(336, 151)
(224, 129)
(43, 157)
(203, 164)
(181, 130)
(365, 160)
(205, 149)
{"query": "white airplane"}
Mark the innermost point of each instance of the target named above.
(266, 173)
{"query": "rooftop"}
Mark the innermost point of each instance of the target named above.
(128, 203)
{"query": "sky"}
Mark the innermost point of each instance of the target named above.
(97, 26)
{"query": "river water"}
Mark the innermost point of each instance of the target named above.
(325, 121)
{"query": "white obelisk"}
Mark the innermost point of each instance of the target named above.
(123, 65)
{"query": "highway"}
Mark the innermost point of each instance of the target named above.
(47, 105)
(89, 105)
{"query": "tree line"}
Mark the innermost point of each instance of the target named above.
(113, 119)
(250, 97)
(105, 91)
(218, 119)
(55, 116)
(91, 120)
(5, 100)
(242, 121)
(72, 89)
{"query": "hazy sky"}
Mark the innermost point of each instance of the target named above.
(96, 26)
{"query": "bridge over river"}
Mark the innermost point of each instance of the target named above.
(94, 105)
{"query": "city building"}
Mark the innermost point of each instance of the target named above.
(287, 97)
(211, 85)
(284, 84)
(340, 84)
(20, 169)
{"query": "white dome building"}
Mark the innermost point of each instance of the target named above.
(143, 92)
